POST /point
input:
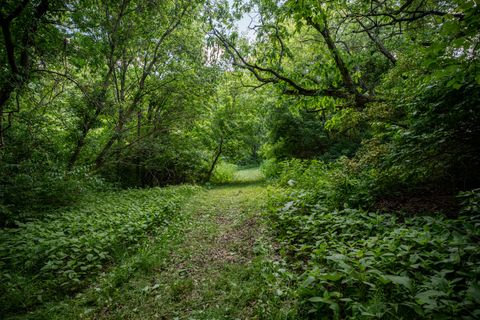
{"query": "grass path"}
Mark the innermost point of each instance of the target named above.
(216, 262)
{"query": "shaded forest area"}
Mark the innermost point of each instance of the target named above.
(364, 115)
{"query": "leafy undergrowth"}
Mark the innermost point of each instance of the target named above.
(62, 253)
(215, 260)
(353, 264)
(221, 269)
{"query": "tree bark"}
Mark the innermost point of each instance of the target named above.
(215, 160)
(138, 160)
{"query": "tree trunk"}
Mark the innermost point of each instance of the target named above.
(88, 122)
(5, 94)
(215, 160)
(19, 63)
(78, 147)
(138, 164)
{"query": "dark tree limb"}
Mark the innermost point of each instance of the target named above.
(216, 157)
(410, 16)
(378, 43)
(275, 76)
(360, 98)
(19, 70)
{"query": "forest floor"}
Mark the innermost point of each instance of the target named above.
(216, 262)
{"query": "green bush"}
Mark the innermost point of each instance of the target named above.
(65, 250)
(337, 184)
(28, 189)
(470, 201)
(270, 168)
(298, 133)
(224, 172)
(158, 161)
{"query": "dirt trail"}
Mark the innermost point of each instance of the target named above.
(213, 260)
(215, 272)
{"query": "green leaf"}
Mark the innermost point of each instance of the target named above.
(309, 281)
(319, 299)
(428, 297)
(450, 27)
(473, 293)
(400, 280)
(335, 308)
(334, 276)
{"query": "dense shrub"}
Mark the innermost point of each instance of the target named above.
(298, 133)
(158, 161)
(223, 173)
(33, 173)
(27, 189)
(270, 168)
(337, 184)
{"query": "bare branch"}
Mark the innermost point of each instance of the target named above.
(377, 43)
(276, 77)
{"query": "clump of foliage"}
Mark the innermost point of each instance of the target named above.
(67, 249)
(270, 168)
(357, 264)
(224, 172)
(336, 184)
(394, 87)
(305, 134)
(28, 190)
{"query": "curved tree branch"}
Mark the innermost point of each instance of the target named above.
(275, 76)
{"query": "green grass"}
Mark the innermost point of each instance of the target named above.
(248, 175)
(214, 261)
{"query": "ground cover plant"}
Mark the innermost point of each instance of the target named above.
(355, 264)
(66, 250)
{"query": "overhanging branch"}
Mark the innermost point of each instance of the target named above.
(275, 76)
